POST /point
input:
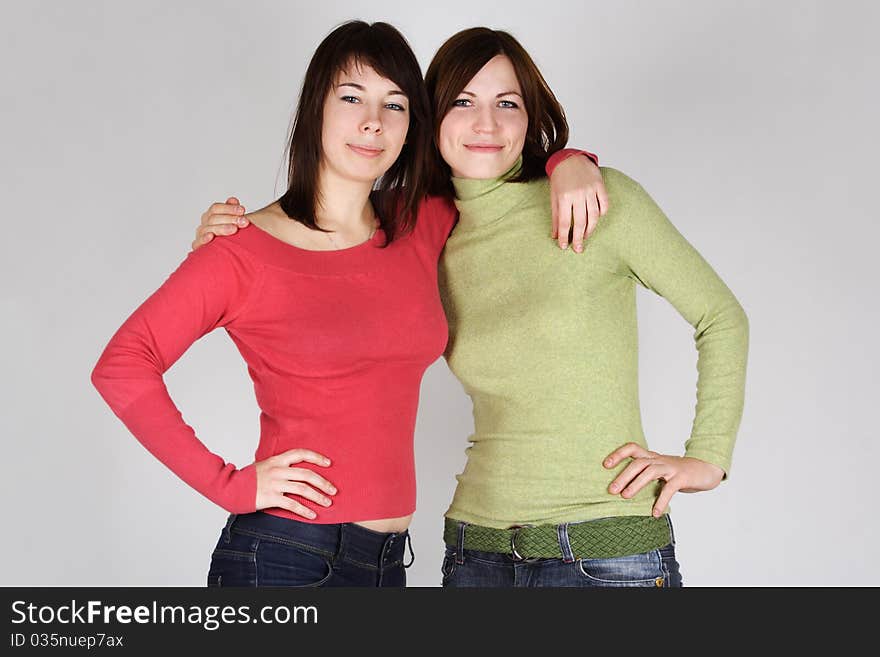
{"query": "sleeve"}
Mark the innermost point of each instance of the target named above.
(563, 154)
(659, 258)
(209, 289)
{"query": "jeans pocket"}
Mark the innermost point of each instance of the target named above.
(233, 563)
(634, 570)
(282, 564)
(671, 569)
(447, 569)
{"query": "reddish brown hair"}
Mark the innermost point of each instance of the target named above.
(454, 66)
(398, 192)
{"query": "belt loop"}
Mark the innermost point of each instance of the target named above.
(227, 536)
(459, 548)
(386, 546)
(340, 545)
(411, 553)
(671, 532)
(564, 543)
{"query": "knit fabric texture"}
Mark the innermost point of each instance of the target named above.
(545, 342)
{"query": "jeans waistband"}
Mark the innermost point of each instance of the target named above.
(593, 539)
(342, 541)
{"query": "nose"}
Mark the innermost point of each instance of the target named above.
(372, 124)
(484, 121)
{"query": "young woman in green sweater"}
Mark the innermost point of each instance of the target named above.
(560, 488)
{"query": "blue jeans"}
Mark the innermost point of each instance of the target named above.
(471, 568)
(259, 549)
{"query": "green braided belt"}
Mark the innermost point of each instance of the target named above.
(594, 539)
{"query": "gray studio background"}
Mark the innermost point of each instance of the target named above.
(753, 124)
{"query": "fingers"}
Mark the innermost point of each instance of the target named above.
(306, 491)
(293, 506)
(580, 226)
(299, 455)
(669, 489)
(628, 450)
(316, 480)
(201, 239)
(602, 197)
(626, 477)
(554, 210)
(214, 229)
(650, 472)
(220, 219)
(563, 223)
(225, 209)
(592, 213)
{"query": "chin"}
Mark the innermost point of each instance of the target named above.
(366, 174)
(483, 172)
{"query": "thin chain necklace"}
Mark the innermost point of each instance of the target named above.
(338, 247)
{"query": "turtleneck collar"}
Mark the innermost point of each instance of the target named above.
(483, 201)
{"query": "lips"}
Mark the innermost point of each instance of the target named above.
(483, 148)
(366, 151)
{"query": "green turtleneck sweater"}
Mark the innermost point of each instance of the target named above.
(545, 343)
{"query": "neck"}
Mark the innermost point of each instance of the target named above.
(484, 201)
(343, 205)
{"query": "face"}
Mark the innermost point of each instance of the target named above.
(483, 134)
(366, 118)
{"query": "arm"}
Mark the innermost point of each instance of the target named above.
(655, 255)
(577, 193)
(208, 290)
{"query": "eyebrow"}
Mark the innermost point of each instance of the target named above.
(503, 93)
(360, 87)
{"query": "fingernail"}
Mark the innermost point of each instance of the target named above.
(607, 461)
(241, 221)
(311, 514)
(578, 248)
(326, 461)
(613, 488)
(239, 209)
(332, 490)
(327, 501)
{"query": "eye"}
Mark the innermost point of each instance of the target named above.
(397, 107)
(350, 99)
(461, 102)
(508, 104)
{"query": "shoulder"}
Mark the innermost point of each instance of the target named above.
(618, 182)
(436, 217)
(229, 254)
(627, 198)
(437, 209)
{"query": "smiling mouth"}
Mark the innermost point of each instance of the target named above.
(483, 148)
(366, 151)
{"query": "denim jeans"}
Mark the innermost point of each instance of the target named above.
(471, 568)
(259, 549)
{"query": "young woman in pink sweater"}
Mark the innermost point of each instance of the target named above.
(331, 298)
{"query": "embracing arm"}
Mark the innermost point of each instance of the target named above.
(577, 196)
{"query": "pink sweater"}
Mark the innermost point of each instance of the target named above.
(336, 343)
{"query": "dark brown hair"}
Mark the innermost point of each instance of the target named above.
(397, 193)
(457, 61)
